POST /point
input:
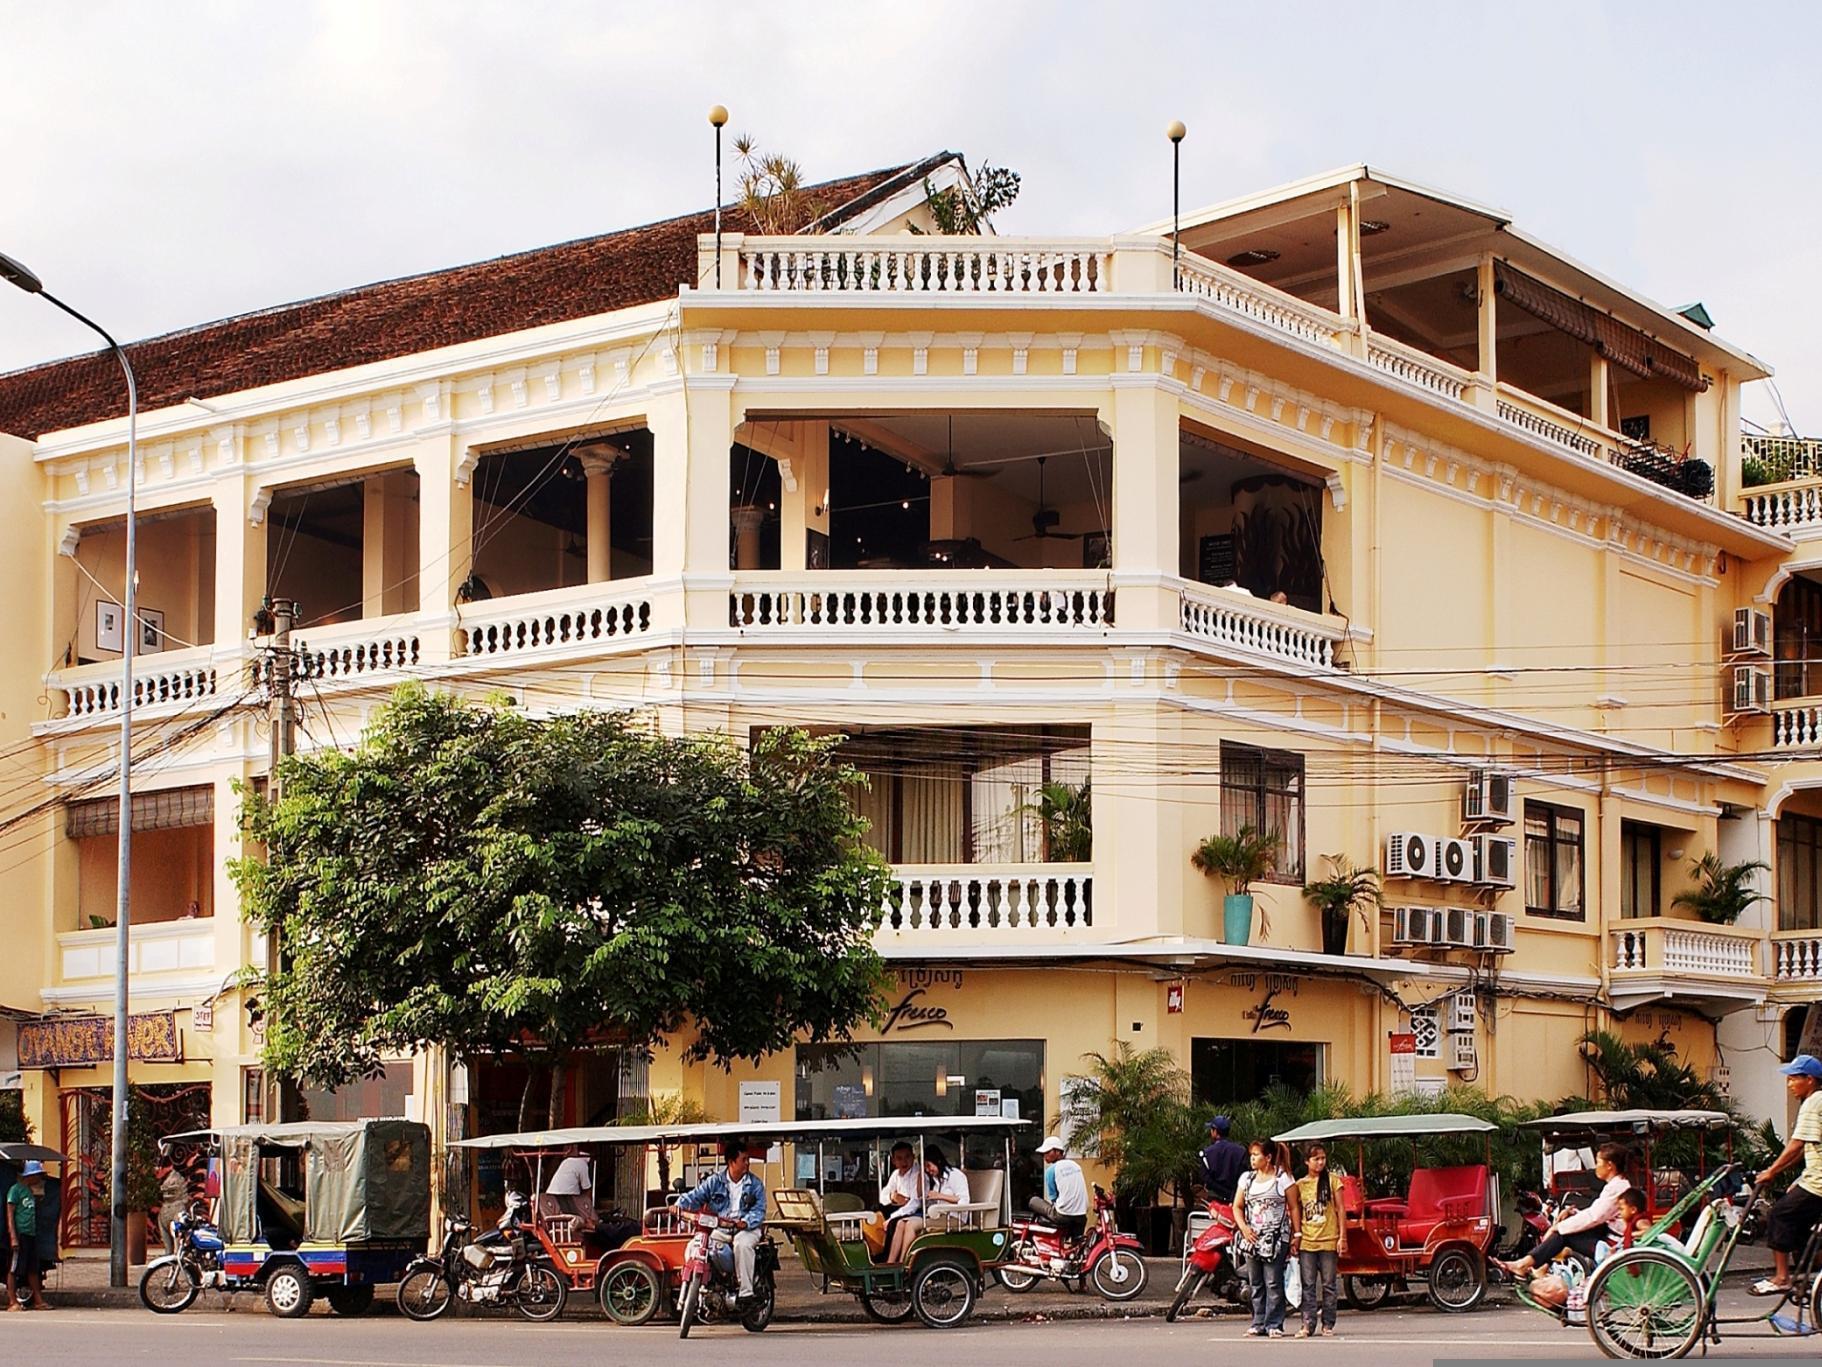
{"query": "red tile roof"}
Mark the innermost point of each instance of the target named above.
(579, 279)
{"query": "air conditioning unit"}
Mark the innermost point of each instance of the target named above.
(1501, 933)
(1455, 860)
(1462, 1058)
(1751, 688)
(1751, 632)
(1410, 855)
(1495, 860)
(1457, 927)
(1487, 800)
(1414, 926)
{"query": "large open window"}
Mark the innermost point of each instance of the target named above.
(1799, 872)
(173, 857)
(923, 491)
(345, 549)
(557, 512)
(176, 559)
(975, 795)
(1250, 523)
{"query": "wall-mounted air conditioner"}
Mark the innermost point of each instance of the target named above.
(1751, 688)
(1455, 860)
(1751, 632)
(1488, 799)
(1415, 926)
(1409, 854)
(1457, 927)
(1501, 932)
(1495, 860)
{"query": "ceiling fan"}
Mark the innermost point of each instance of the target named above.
(1045, 519)
(950, 470)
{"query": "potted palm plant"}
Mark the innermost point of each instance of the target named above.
(1722, 892)
(1347, 891)
(1241, 859)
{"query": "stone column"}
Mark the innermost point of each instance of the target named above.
(803, 505)
(240, 562)
(1597, 389)
(748, 519)
(445, 539)
(598, 465)
(1145, 501)
(1486, 378)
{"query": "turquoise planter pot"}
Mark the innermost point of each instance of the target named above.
(1237, 918)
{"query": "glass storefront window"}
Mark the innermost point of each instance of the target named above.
(925, 1079)
(1224, 1070)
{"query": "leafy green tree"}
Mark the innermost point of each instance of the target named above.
(472, 877)
(962, 210)
(1131, 1110)
(13, 1128)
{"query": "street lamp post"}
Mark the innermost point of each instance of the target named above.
(18, 275)
(1176, 133)
(718, 116)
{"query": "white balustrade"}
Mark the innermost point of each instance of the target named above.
(1575, 439)
(1243, 295)
(170, 677)
(1693, 951)
(1243, 622)
(1796, 726)
(1796, 957)
(355, 650)
(926, 265)
(1667, 947)
(555, 622)
(975, 602)
(186, 946)
(1013, 900)
(1427, 372)
(1787, 508)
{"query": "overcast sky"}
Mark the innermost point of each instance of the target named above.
(169, 163)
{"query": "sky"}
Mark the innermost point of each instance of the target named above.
(174, 162)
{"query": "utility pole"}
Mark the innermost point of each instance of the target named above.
(284, 724)
(284, 743)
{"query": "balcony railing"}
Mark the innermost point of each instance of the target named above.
(1007, 902)
(886, 602)
(1419, 368)
(157, 947)
(1794, 507)
(168, 680)
(1796, 724)
(1275, 309)
(1588, 439)
(557, 622)
(1796, 956)
(1683, 948)
(931, 265)
(1259, 626)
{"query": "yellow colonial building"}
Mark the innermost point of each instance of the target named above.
(1364, 519)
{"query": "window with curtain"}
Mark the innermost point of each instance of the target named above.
(1554, 876)
(1641, 863)
(1799, 873)
(1797, 640)
(1264, 789)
